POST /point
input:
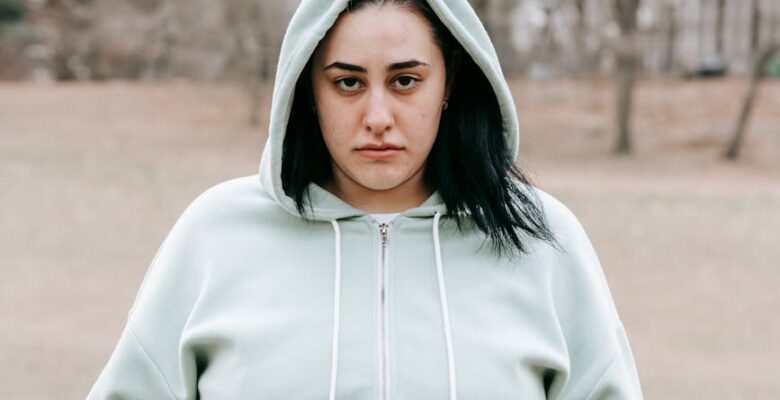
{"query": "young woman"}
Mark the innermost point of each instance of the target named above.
(388, 249)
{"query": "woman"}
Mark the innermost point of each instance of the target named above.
(388, 249)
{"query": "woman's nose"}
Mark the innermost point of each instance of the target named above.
(379, 116)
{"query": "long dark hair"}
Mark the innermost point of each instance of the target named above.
(469, 163)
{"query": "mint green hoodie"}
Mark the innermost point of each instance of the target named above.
(246, 299)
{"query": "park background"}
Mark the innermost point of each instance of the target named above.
(656, 121)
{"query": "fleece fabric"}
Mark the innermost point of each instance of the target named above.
(246, 299)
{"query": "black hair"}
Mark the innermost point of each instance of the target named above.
(469, 164)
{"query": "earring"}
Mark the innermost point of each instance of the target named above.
(314, 109)
(445, 104)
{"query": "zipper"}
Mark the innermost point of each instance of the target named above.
(384, 376)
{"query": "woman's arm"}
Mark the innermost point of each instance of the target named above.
(601, 364)
(149, 361)
(131, 373)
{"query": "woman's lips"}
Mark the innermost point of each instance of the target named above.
(379, 153)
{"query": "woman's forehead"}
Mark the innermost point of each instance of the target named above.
(388, 32)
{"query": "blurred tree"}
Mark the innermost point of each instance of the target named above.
(755, 25)
(760, 55)
(257, 28)
(481, 7)
(720, 13)
(496, 15)
(774, 20)
(669, 17)
(757, 72)
(239, 39)
(627, 59)
(586, 62)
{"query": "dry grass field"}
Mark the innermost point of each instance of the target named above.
(92, 176)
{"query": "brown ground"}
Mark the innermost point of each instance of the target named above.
(93, 176)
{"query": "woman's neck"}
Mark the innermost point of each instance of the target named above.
(408, 194)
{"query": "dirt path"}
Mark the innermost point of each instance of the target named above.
(93, 176)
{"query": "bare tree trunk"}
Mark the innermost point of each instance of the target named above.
(719, 24)
(255, 88)
(255, 26)
(580, 39)
(774, 16)
(755, 25)
(160, 41)
(626, 78)
(257, 78)
(586, 62)
(756, 74)
(627, 61)
(504, 35)
(700, 34)
(670, 36)
(496, 15)
(481, 8)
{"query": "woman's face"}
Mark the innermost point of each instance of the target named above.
(379, 82)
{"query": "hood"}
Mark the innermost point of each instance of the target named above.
(308, 26)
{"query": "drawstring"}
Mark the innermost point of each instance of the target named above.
(442, 298)
(336, 311)
(444, 308)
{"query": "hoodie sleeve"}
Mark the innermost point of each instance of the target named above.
(601, 364)
(131, 373)
(149, 361)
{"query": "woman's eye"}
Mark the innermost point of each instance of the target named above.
(348, 84)
(406, 82)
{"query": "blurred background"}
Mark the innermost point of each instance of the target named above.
(656, 121)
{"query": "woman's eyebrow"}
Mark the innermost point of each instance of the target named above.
(345, 66)
(391, 67)
(405, 65)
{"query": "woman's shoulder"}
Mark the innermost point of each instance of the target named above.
(233, 191)
(575, 249)
(561, 219)
(234, 199)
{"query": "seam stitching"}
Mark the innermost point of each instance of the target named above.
(148, 356)
(602, 375)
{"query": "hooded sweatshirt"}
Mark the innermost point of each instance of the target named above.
(247, 299)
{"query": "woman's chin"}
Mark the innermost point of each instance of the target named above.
(377, 177)
(380, 184)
